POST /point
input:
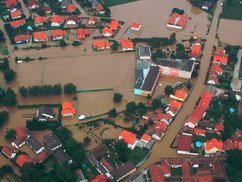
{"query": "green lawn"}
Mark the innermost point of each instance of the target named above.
(137, 155)
(4, 50)
(176, 171)
(232, 12)
(116, 2)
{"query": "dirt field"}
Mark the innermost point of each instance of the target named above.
(229, 31)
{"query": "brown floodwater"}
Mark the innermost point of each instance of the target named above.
(230, 31)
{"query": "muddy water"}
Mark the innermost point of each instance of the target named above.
(230, 31)
(162, 148)
(154, 14)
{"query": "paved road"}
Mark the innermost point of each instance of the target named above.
(162, 148)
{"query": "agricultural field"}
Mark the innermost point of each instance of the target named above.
(116, 2)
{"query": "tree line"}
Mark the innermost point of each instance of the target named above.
(8, 73)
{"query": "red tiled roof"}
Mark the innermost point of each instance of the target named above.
(8, 150)
(82, 33)
(214, 143)
(184, 143)
(186, 170)
(21, 132)
(181, 94)
(135, 25)
(11, 2)
(100, 44)
(40, 19)
(16, 13)
(19, 38)
(128, 137)
(178, 20)
(221, 58)
(32, 3)
(100, 178)
(217, 68)
(42, 36)
(165, 168)
(107, 30)
(23, 158)
(92, 18)
(240, 145)
(99, 8)
(47, 9)
(175, 103)
(67, 108)
(166, 116)
(114, 25)
(214, 78)
(71, 7)
(58, 33)
(17, 23)
(57, 19)
(172, 110)
(192, 119)
(73, 18)
(198, 112)
(219, 127)
(106, 164)
(126, 44)
(156, 175)
(199, 131)
(146, 137)
(205, 99)
(162, 125)
(196, 50)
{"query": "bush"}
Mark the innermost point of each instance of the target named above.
(9, 75)
(10, 135)
(43, 46)
(3, 117)
(6, 169)
(112, 113)
(9, 98)
(63, 43)
(194, 74)
(117, 97)
(156, 103)
(35, 125)
(168, 90)
(86, 141)
(69, 88)
(76, 43)
(114, 46)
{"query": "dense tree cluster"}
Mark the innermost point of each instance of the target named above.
(2, 38)
(112, 113)
(122, 150)
(117, 97)
(8, 73)
(69, 88)
(3, 117)
(8, 97)
(35, 125)
(169, 90)
(5, 169)
(10, 135)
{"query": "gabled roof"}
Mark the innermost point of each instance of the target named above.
(52, 141)
(186, 170)
(156, 175)
(40, 157)
(99, 151)
(184, 143)
(192, 119)
(8, 150)
(166, 116)
(128, 137)
(178, 20)
(107, 30)
(40, 36)
(181, 94)
(22, 159)
(214, 143)
(25, 37)
(175, 103)
(11, 2)
(114, 24)
(199, 131)
(219, 127)
(172, 110)
(100, 43)
(67, 108)
(122, 170)
(71, 7)
(217, 68)
(135, 25)
(205, 99)
(58, 33)
(74, 18)
(57, 19)
(16, 13)
(82, 33)
(196, 51)
(165, 168)
(125, 43)
(21, 132)
(17, 23)
(199, 112)
(33, 3)
(146, 137)
(40, 19)
(100, 178)
(99, 8)
(92, 18)
(221, 57)
(162, 125)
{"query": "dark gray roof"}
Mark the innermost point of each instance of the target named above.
(122, 170)
(181, 64)
(34, 143)
(100, 151)
(95, 162)
(51, 141)
(143, 51)
(151, 77)
(44, 110)
(62, 157)
(143, 64)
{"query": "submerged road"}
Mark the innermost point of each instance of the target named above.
(162, 148)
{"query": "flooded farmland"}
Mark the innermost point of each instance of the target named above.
(230, 31)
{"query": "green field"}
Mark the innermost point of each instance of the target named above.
(232, 12)
(4, 50)
(137, 155)
(116, 2)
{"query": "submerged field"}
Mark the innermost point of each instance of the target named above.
(232, 12)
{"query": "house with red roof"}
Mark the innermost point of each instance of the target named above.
(21, 136)
(40, 36)
(126, 45)
(135, 26)
(33, 4)
(165, 169)
(11, 3)
(216, 68)
(23, 38)
(82, 33)
(100, 44)
(213, 146)
(22, 159)
(172, 111)
(145, 138)
(177, 21)
(92, 20)
(219, 127)
(213, 78)
(73, 20)
(114, 25)
(107, 32)
(196, 49)
(16, 14)
(158, 134)
(39, 20)
(164, 117)
(68, 110)
(186, 170)
(129, 138)
(175, 103)
(71, 8)
(57, 20)
(184, 144)
(156, 174)
(220, 56)
(100, 178)
(17, 23)
(58, 34)
(10, 152)
(39, 158)
(100, 9)
(199, 131)
(180, 95)
(205, 99)
(239, 145)
(47, 9)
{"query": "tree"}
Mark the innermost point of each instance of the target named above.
(9, 98)
(69, 88)
(43, 46)
(112, 113)
(4, 65)
(63, 43)
(142, 109)
(122, 150)
(2, 38)
(10, 135)
(168, 90)
(3, 117)
(40, 11)
(76, 43)
(194, 74)
(57, 89)
(86, 141)
(130, 108)
(156, 103)
(114, 46)
(9, 75)
(23, 91)
(172, 38)
(6, 169)
(180, 47)
(117, 97)
(189, 85)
